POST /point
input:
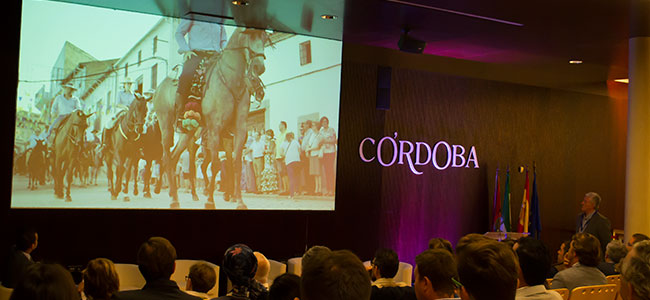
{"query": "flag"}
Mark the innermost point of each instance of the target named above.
(524, 213)
(505, 205)
(535, 219)
(496, 219)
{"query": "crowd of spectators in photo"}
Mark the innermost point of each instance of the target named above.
(479, 268)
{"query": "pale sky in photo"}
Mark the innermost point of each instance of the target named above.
(47, 25)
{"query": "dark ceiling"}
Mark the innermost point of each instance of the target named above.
(542, 35)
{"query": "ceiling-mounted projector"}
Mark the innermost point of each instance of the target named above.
(410, 44)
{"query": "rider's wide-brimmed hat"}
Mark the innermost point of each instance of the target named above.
(69, 85)
(128, 80)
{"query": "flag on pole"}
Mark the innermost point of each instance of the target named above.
(505, 205)
(496, 218)
(524, 213)
(535, 219)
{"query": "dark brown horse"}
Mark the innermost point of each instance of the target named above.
(68, 144)
(123, 145)
(152, 151)
(225, 107)
(36, 165)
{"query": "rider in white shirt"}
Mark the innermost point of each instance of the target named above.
(62, 106)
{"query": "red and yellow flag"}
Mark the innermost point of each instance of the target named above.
(524, 213)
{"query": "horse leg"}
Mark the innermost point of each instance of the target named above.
(58, 180)
(171, 168)
(159, 181)
(238, 146)
(191, 148)
(204, 169)
(135, 176)
(227, 175)
(147, 179)
(68, 174)
(127, 176)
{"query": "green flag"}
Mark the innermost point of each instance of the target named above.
(505, 208)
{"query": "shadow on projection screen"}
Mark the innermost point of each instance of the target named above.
(88, 74)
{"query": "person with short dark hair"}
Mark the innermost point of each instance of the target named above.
(583, 256)
(200, 280)
(285, 287)
(440, 243)
(100, 279)
(435, 272)
(157, 261)
(45, 282)
(592, 221)
(338, 275)
(534, 262)
(637, 237)
(559, 263)
(240, 265)
(616, 251)
(19, 257)
(312, 254)
(635, 273)
(469, 239)
(385, 265)
(488, 270)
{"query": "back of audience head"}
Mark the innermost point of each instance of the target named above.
(100, 279)
(435, 272)
(440, 243)
(285, 287)
(45, 282)
(240, 265)
(263, 269)
(488, 270)
(637, 237)
(468, 239)
(534, 261)
(615, 251)
(156, 259)
(586, 248)
(338, 275)
(635, 273)
(385, 263)
(314, 253)
(201, 278)
(26, 240)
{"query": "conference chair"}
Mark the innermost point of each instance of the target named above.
(563, 292)
(615, 279)
(130, 277)
(5, 292)
(277, 269)
(594, 292)
(294, 266)
(404, 273)
(183, 269)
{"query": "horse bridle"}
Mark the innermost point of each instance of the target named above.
(249, 56)
(130, 125)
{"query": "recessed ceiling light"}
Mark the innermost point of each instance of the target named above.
(623, 80)
(328, 17)
(240, 2)
(575, 61)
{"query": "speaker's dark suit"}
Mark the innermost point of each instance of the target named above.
(600, 227)
(17, 264)
(161, 289)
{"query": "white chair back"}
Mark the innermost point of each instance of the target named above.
(183, 269)
(277, 269)
(5, 293)
(130, 277)
(294, 266)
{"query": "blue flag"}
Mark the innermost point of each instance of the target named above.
(535, 219)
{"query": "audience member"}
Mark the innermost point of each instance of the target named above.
(635, 273)
(156, 261)
(45, 282)
(314, 253)
(637, 237)
(435, 273)
(385, 265)
(616, 251)
(488, 270)
(240, 265)
(583, 256)
(285, 287)
(593, 222)
(534, 263)
(100, 280)
(200, 280)
(440, 243)
(263, 269)
(468, 239)
(338, 275)
(19, 257)
(559, 263)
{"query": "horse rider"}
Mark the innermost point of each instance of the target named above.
(151, 114)
(63, 105)
(124, 99)
(37, 135)
(203, 40)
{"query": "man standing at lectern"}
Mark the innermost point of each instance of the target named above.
(591, 221)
